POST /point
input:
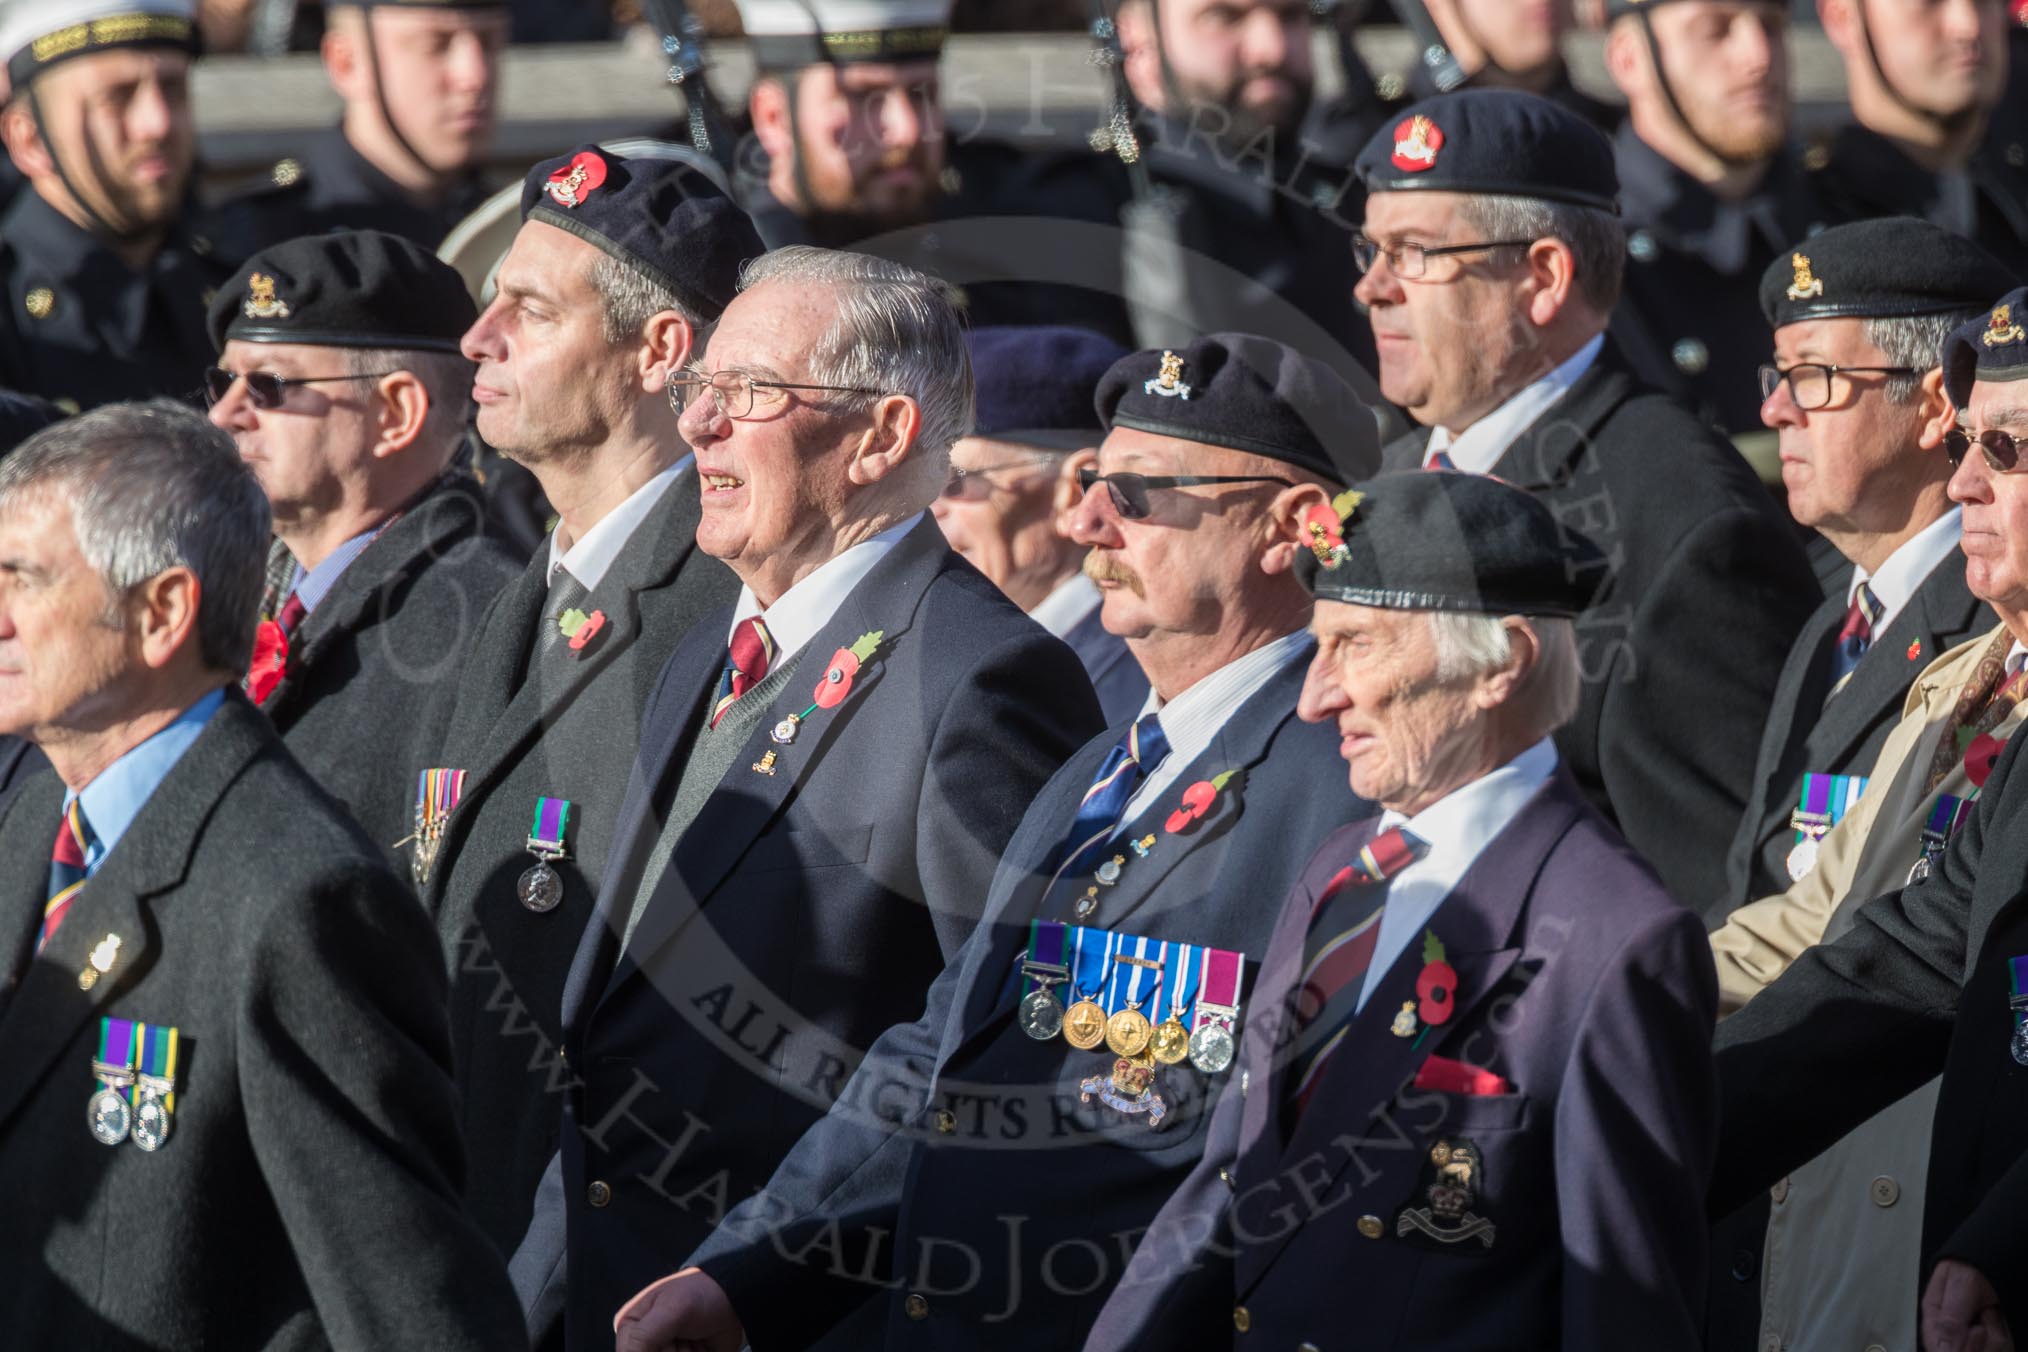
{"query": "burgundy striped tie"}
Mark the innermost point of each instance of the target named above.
(66, 871)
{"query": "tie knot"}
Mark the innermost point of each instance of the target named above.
(291, 614)
(1389, 853)
(753, 649)
(1861, 615)
(73, 836)
(1147, 744)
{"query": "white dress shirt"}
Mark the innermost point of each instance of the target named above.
(1456, 827)
(798, 613)
(1479, 447)
(589, 557)
(1192, 720)
(1065, 608)
(1907, 567)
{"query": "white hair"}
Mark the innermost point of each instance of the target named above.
(1469, 644)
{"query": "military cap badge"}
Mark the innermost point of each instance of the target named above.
(1416, 143)
(1806, 284)
(260, 299)
(1169, 384)
(2001, 328)
(1324, 527)
(573, 182)
(1454, 1184)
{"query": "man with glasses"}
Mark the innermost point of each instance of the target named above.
(340, 380)
(1926, 980)
(1011, 481)
(1013, 1170)
(619, 266)
(827, 774)
(1493, 260)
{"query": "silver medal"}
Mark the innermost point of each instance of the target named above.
(1921, 871)
(540, 888)
(1211, 1048)
(1041, 1015)
(2019, 1045)
(1803, 858)
(109, 1117)
(151, 1122)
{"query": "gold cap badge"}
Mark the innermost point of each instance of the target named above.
(1805, 285)
(1169, 384)
(2001, 328)
(260, 299)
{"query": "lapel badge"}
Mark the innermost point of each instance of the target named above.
(1437, 986)
(261, 302)
(1129, 1089)
(1169, 384)
(1806, 284)
(1455, 1181)
(2001, 329)
(1195, 802)
(766, 764)
(1109, 872)
(1915, 650)
(101, 960)
(571, 184)
(40, 303)
(1416, 143)
(1142, 846)
(1404, 1024)
(581, 628)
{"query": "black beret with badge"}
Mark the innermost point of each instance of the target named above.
(1492, 143)
(1246, 393)
(1444, 540)
(1887, 268)
(38, 34)
(348, 288)
(1993, 347)
(663, 218)
(1035, 383)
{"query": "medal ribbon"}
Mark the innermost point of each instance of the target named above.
(436, 793)
(1184, 989)
(1094, 959)
(1045, 949)
(116, 1048)
(1116, 1000)
(552, 818)
(1219, 985)
(158, 1057)
(1826, 799)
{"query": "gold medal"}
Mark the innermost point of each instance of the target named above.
(1128, 1032)
(1171, 1042)
(1084, 1025)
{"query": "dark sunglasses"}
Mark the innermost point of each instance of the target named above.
(1129, 492)
(264, 390)
(2002, 452)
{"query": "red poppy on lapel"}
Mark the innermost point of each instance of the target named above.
(1980, 755)
(1437, 987)
(1197, 800)
(270, 661)
(594, 625)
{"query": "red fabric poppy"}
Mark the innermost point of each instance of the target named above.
(593, 625)
(1980, 755)
(1322, 528)
(1197, 800)
(1437, 988)
(836, 683)
(270, 660)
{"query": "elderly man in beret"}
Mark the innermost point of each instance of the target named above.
(618, 268)
(1026, 1138)
(1925, 980)
(1493, 260)
(340, 380)
(1480, 1106)
(1012, 480)
(226, 1111)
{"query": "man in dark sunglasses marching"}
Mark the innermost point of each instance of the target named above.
(340, 380)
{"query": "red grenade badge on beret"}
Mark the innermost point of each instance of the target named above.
(571, 184)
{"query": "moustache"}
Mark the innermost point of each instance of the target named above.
(1104, 568)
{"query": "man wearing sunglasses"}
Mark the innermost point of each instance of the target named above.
(1015, 1190)
(1010, 483)
(618, 267)
(1493, 261)
(1926, 980)
(340, 380)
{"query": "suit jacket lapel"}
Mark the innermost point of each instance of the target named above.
(1546, 456)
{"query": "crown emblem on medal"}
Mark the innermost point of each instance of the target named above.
(260, 299)
(1416, 143)
(1806, 284)
(2001, 328)
(571, 184)
(1169, 384)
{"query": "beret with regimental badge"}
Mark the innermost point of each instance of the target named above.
(1889, 268)
(1035, 383)
(1992, 347)
(790, 34)
(1247, 393)
(38, 34)
(663, 218)
(1492, 143)
(1444, 540)
(348, 288)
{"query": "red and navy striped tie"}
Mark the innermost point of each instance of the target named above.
(751, 653)
(1105, 802)
(66, 871)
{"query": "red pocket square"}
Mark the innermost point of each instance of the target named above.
(1455, 1077)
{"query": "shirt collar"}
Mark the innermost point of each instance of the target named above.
(591, 555)
(1913, 560)
(314, 584)
(1065, 608)
(1479, 447)
(804, 609)
(115, 797)
(1194, 717)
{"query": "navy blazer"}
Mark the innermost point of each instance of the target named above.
(977, 1143)
(1117, 679)
(807, 907)
(1584, 987)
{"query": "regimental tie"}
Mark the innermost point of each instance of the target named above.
(291, 614)
(1440, 460)
(750, 654)
(1344, 927)
(1856, 636)
(1983, 704)
(1105, 802)
(66, 870)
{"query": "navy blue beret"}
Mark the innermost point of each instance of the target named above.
(660, 217)
(1887, 268)
(348, 288)
(1248, 393)
(1444, 540)
(1992, 347)
(1035, 383)
(1496, 143)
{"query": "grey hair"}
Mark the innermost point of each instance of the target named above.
(150, 487)
(897, 332)
(1596, 239)
(1470, 644)
(1912, 340)
(629, 298)
(446, 375)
